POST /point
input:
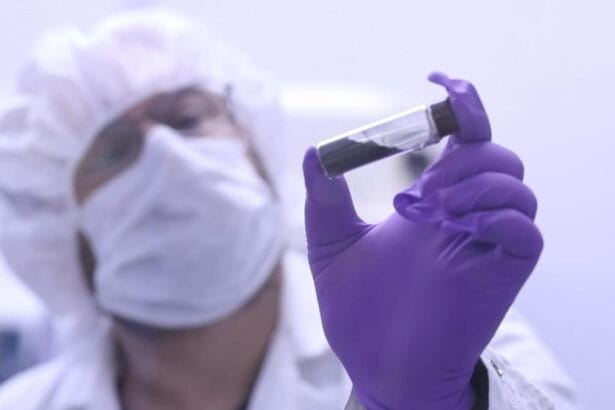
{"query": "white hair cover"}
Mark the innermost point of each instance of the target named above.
(73, 84)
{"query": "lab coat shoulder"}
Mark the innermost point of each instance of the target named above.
(508, 389)
(522, 373)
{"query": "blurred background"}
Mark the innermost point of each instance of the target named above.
(545, 71)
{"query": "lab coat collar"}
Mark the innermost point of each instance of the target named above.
(300, 318)
(299, 371)
(85, 373)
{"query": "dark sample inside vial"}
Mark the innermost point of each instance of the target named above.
(444, 118)
(338, 157)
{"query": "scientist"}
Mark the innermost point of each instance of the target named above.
(141, 200)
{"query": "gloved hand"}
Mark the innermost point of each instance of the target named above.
(410, 303)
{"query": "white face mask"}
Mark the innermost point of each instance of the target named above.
(184, 236)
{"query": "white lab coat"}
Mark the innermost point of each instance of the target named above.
(299, 372)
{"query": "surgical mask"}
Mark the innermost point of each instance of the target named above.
(186, 235)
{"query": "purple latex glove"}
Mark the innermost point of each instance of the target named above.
(410, 303)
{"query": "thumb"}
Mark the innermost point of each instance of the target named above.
(329, 212)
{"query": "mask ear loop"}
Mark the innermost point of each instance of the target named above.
(229, 105)
(81, 242)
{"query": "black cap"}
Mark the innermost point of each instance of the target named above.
(444, 118)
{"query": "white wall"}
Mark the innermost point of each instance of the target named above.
(546, 72)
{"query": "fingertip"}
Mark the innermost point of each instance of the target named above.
(540, 242)
(329, 211)
(312, 170)
(453, 86)
(311, 162)
(404, 208)
(536, 242)
(514, 231)
(404, 200)
(532, 245)
(516, 166)
(532, 204)
(438, 77)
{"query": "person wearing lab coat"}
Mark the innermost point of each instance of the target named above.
(142, 201)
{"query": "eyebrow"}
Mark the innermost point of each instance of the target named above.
(166, 105)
